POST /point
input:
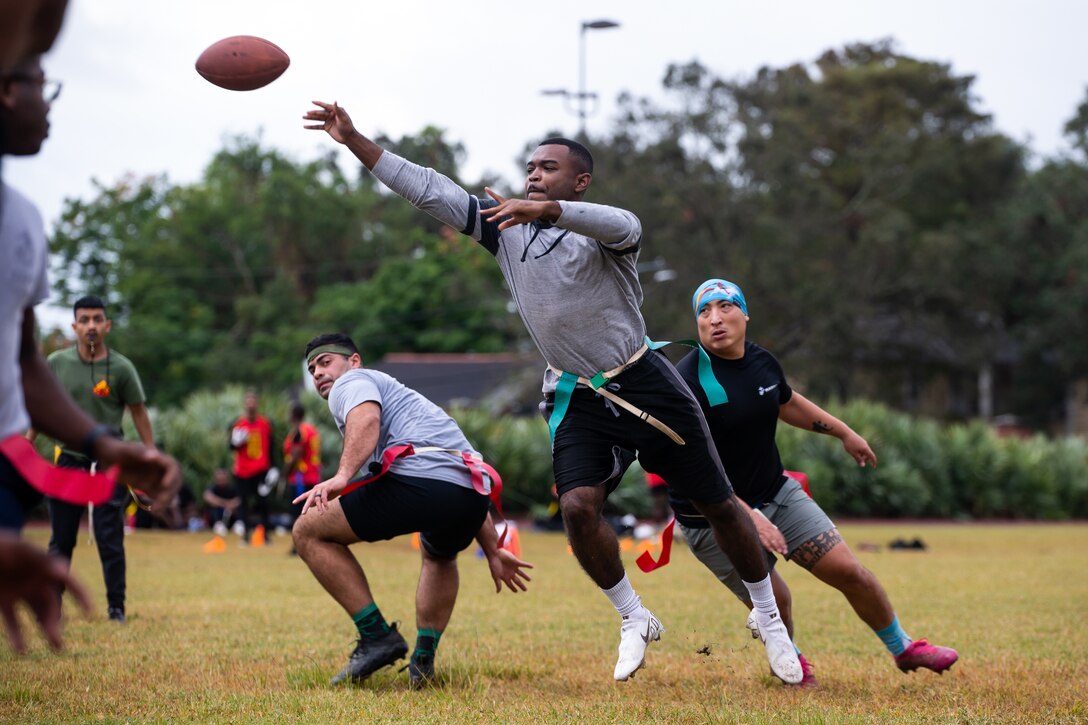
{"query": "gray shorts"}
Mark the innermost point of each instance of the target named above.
(797, 516)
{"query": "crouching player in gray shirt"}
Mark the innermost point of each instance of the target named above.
(430, 492)
(570, 266)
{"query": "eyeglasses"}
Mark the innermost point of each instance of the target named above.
(50, 88)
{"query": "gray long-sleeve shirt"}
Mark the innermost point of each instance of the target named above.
(574, 282)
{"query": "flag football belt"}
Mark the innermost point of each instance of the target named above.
(569, 381)
(71, 485)
(477, 468)
(646, 561)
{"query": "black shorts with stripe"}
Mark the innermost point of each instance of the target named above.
(596, 439)
(447, 516)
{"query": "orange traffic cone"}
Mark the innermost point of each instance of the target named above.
(257, 539)
(513, 540)
(626, 544)
(215, 546)
(646, 545)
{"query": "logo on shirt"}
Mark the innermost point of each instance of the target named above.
(763, 390)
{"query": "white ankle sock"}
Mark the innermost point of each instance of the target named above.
(762, 595)
(623, 597)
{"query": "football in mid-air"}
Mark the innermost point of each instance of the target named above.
(242, 63)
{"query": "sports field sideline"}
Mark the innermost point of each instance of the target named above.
(247, 635)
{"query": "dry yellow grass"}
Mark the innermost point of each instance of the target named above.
(247, 635)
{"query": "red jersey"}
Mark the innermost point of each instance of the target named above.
(653, 480)
(303, 456)
(253, 456)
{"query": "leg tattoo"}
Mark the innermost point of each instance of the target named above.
(810, 552)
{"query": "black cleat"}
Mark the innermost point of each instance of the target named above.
(420, 672)
(371, 655)
(116, 614)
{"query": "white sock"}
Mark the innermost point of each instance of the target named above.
(623, 597)
(762, 595)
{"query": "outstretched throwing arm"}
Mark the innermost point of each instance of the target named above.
(335, 121)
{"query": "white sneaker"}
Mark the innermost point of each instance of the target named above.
(636, 633)
(780, 652)
(220, 528)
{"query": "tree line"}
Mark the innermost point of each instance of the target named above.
(892, 243)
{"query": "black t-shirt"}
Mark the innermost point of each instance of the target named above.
(744, 428)
(226, 491)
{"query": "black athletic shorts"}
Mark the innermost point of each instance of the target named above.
(593, 443)
(17, 497)
(447, 516)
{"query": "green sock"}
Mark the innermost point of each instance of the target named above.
(370, 622)
(426, 643)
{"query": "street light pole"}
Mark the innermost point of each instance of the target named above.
(583, 95)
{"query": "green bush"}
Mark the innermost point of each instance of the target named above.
(940, 471)
(925, 469)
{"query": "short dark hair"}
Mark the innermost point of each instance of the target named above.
(331, 338)
(297, 412)
(577, 150)
(90, 302)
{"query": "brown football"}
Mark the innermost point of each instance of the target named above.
(242, 63)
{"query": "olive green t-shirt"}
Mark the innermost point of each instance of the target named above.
(101, 390)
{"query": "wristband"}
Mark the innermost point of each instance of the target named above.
(89, 440)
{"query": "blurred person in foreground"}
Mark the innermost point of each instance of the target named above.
(789, 521)
(29, 393)
(430, 492)
(28, 28)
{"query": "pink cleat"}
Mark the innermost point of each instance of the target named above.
(808, 680)
(921, 653)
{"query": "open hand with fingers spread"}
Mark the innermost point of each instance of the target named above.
(33, 577)
(331, 118)
(509, 570)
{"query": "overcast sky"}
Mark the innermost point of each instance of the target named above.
(133, 104)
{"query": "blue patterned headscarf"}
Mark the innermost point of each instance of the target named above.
(717, 289)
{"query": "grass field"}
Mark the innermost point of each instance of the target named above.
(247, 635)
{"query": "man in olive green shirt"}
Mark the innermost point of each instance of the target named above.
(103, 383)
